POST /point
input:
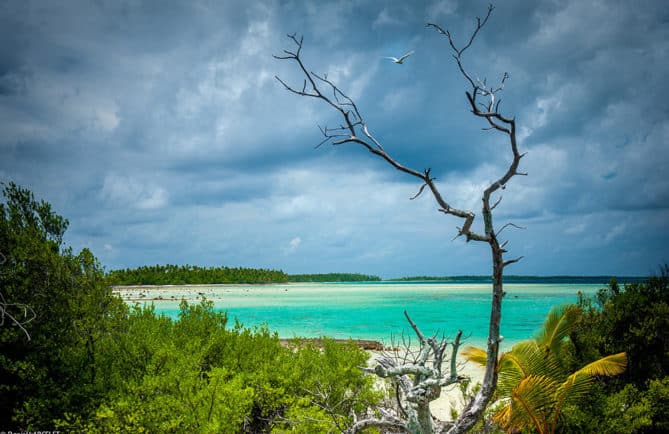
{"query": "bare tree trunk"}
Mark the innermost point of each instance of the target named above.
(474, 409)
(354, 129)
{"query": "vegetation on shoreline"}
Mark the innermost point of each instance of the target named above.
(535, 384)
(88, 362)
(333, 277)
(195, 275)
(633, 318)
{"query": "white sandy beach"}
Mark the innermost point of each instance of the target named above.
(451, 396)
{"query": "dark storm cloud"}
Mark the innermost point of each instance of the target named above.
(159, 130)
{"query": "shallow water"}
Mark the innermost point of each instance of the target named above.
(375, 311)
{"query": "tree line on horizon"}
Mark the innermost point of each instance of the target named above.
(192, 274)
(170, 274)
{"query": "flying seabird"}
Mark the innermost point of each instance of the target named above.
(401, 59)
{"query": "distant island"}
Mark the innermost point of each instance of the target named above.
(333, 277)
(193, 275)
(523, 279)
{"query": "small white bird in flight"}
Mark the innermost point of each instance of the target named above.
(401, 59)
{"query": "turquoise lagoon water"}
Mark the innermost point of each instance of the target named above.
(375, 310)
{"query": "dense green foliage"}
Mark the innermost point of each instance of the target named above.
(51, 367)
(635, 319)
(535, 384)
(197, 374)
(192, 274)
(89, 363)
(333, 277)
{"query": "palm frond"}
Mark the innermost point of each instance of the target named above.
(511, 371)
(536, 360)
(579, 384)
(503, 416)
(557, 326)
(610, 365)
(531, 404)
(474, 354)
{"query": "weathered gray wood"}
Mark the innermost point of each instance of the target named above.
(484, 104)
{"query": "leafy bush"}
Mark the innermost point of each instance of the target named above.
(51, 365)
(197, 375)
(635, 319)
(87, 362)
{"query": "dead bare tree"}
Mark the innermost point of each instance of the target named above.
(417, 377)
(484, 104)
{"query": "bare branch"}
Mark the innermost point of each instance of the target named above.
(417, 377)
(454, 367)
(420, 191)
(415, 328)
(484, 101)
(497, 202)
(512, 225)
(387, 422)
(512, 261)
(353, 119)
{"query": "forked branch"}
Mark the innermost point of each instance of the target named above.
(417, 377)
(484, 102)
(354, 129)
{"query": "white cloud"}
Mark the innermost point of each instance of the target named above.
(575, 229)
(294, 244)
(440, 8)
(189, 121)
(128, 191)
(615, 232)
(404, 99)
(540, 113)
(574, 23)
(385, 19)
(107, 119)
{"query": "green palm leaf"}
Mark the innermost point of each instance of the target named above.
(557, 326)
(579, 384)
(610, 365)
(530, 406)
(476, 355)
(536, 360)
(533, 381)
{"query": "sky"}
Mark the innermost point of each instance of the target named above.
(159, 130)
